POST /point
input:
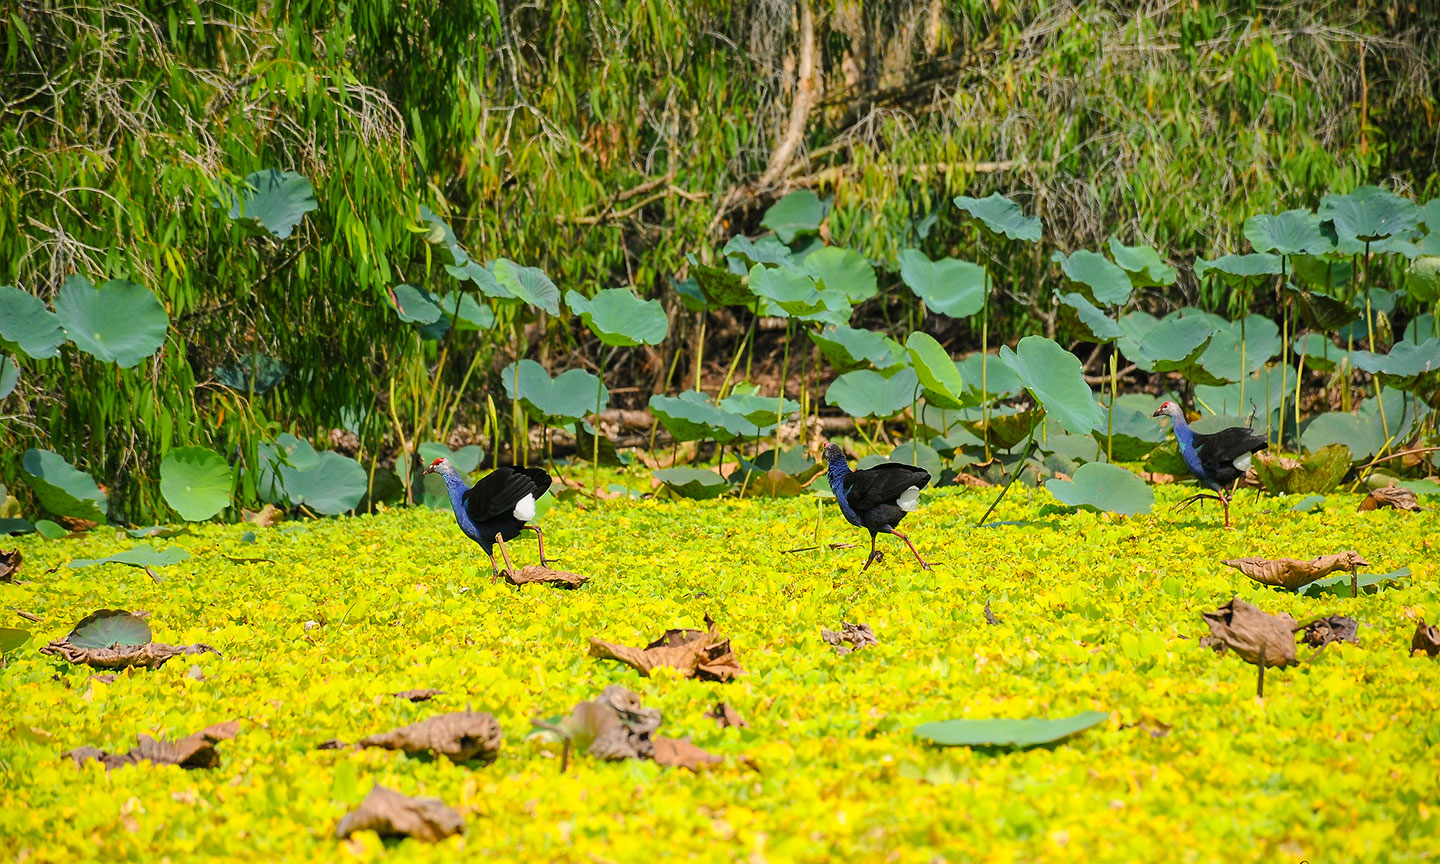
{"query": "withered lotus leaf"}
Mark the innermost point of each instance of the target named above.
(1332, 628)
(535, 573)
(851, 637)
(151, 655)
(726, 716)
(196, 750)
(459, 736)
(1244, 629)
(390, 814)
(1395, 497)
(680, 752)
(422, 695)
(1293, 573)
(1426, 638)
(703, 654)
(10, 564)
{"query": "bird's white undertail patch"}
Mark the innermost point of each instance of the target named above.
(525, 510)
(1242, 463)
(909, 499)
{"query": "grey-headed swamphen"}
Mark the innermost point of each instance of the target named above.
(877, 498)
(496, 507)
(1216, 459)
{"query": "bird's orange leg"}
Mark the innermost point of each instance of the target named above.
(504, 553)
(924, 565)
(1199, 496)
(1225, 502)
(874, 555)
(540, 538)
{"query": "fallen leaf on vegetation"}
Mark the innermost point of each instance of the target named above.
(264, 517)
(390, 814)
(1395, 497)
(10, 564)
(1007, 732)
(424, 695)
(331, 744)
(1293, 573)
(852, 637)
(679, 752)
(1244, 629)
(725, 716)
(1333, 628)
(613, 726)
(703, 654)
(460, 736)
(151, 655)
(1319, 471)
(1426, 638)
(196, 750)
(990, 616)
(75, 524)
(544, 575)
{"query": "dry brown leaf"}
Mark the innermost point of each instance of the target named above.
(74, 524)
(196, 750)
(1244, 629)
(1395, 497)
(1294, 574)
(680, 752)
(703, 654)
(459, 735)
(390, 814)
(852, 637)
(331, 744)
(972, 481)
(1333, 628)
(1426, 638)
(151, 655)
(418, 695)
(10, 564)
(726, 716)
(544, 575)
(108, 678)
(264, 517)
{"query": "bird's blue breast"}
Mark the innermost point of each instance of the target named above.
(837, 474)
(457, 489)
(1186, 439)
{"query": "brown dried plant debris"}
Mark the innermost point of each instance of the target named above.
(196, 750)
(1244, 629)
(390, 814)
(703, 654)
(424, 695)
(534, 573)
(1293, 573)
(1395, 497)
(679, 752)
(1426, 638)
(460, 736)
(151, 655)
(10, 564)
(852, 637)
(726, 716)
(264, 517)
(616, 726)
(1333, 628)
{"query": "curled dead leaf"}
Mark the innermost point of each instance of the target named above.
(424, 695)
(151, 655)
(390, 814)
(1246, 630)
(460, 736)
(726, 716)
(74, 524)
(10, 564)
(703, 654)
(616, 725)
(1426, 638)
(196, 750)
(1293, 573)
(1332, 628)
(535, 573)
(1395, 497)
(680, 752)
(264, 517)
(852, 637)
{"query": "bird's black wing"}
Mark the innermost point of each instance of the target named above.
(1219, 450)
(498, 492)
(882, 484)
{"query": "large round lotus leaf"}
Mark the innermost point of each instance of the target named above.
(1428, 215)
(334, 486)
(1076, 449)
(921, 456)
(9, 377)
(1421, 328)
(120, 322)
(1054, 377)
(1408, 365)
(1294, 232)
(1134, 327)
(1359, 435)
(766, 250)
(484, 279)
(1223, 358)
(1341, 586)
(1001, 216)
(949, 286)
(439, 233)
(792, 462)
(834, 309)
(566, 397)
(1104, 487)
(138, 556)
(108, 628)
(25, 321)
(62, 490)
(792, 291)
(467, 313)
(1321, 272)
(1175, 344)
(1095, 326)
(1022, 732)
(864, 393)
(693, 482)
(843, 270)
(12, 639)
(196, 482)
(758, 410)
(1319, 352)
(1320, 471)
(1109, 284)
(618, 317)
(798, 213)
(1263, 388)
(1133, 434)
(273, 199)
(937, 373)
(719, 286)
(415, 305)
(986, 378)
(1369, 213)
(1142, 264)
(848, 348)
(252, 372)
(692, 417)
(1422, 279)
(1235, 269)
(528, 284)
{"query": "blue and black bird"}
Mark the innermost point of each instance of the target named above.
(1217, 459)
(877, 498)
(496, 507)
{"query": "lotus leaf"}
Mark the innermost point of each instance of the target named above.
(61, 488)
(864, 393)
(720, 287)
(798, 213)
(1369, 213)
(416, 305)
(137, 556)
(196, 482)
(618, 317)
(692, 417)
(530, 285)
(1237, 268)
(790, 290)
(936, 372)
(566, 397)
(766, 250)
(253, 372)
(1104, 487)
(1294, 232)
(1132, 434)
(274, 200)
(1001, 216)
(9, 378)
(1361, 436)
(1319, 471)
(1319, 352)
(1020, 733)
(1142, 264)
(848, 348)
(1173, 345)
(993, 381)
(949, 286)
(1098, 327)
(467, 313)
(439, 233)
(25, 321)
(843, 270)
(1322, 272)
(109, 627)
(1054, 377)
(1422, 279)
(758, 411)
(693, 482)
(1108, 284)
(120, 322)
(333, 486)
(1223, 358)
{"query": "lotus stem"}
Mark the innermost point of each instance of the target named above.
(1110, 414)
(784, 379)
(1024, 454)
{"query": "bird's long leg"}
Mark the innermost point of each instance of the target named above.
(1225, 502)
(494, 571)
(540, 538)
(924, 565)
(1199, 496)
(505, 553)
(874, 555)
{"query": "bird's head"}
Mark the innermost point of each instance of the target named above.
(833, 452)
(1169, 409)
(440, 466)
